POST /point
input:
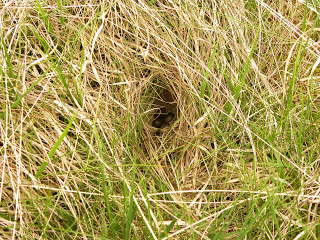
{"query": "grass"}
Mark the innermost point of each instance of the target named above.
(80, 82)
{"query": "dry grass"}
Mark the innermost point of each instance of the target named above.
(80, 159)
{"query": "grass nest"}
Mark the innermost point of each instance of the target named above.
(158, 119)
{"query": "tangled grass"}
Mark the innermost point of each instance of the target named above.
(80, 158)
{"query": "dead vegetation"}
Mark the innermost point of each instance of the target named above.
(82, 83)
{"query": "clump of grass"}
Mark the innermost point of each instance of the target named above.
(79, 86)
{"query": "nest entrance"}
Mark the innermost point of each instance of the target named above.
(166, 106)
(162, 100)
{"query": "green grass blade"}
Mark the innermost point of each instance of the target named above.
(204, 81)
(44, 16)
(247, 227)
(8, 61)
(60, 9)
(132, 207)
(171, 225)
(237, 89)
(31, 87)
(55, 146)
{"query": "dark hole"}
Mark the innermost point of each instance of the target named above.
(163, 110)
(39, 69)
(23, 51)
(81, 47)
(64, 206)
(228, 198)
(219, 163)
(207, 18)
(269, 155)
(117, 8)
(146, 72)
(71, 104)
(213, 145)
(157, 114)
(203, 163)
(62, 118)
(1, 144)
(94, 84)
(71, 134)
(106, 60)
(158, 133)
(60, 49)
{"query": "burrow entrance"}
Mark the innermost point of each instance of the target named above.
(164, 107)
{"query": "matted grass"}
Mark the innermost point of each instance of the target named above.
(81, 82)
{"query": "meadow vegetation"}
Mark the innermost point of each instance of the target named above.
(82, 81)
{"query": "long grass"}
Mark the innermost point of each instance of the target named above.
(82, 82)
